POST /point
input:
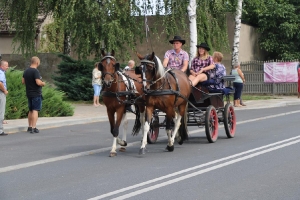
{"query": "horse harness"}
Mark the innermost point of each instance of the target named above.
(160, 91)
(129, 93)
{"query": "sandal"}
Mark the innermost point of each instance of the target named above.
(237, 105)
(4, 122)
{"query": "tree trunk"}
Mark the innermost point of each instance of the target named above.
(237, 32)
(193, 27)
(67, 43)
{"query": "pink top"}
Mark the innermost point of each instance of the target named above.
(176, 60)
(198, 64)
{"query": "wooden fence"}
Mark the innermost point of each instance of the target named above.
(254, 75)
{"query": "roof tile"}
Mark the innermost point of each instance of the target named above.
(4, 22)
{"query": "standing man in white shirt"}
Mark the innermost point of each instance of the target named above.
(3, 93)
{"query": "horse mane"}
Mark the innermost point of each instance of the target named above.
(160, 71)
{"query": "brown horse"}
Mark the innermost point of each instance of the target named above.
(166, 90)
(116, 95)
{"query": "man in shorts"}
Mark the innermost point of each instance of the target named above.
(33, 82)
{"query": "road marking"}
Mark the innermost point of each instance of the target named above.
(268, 117)
(253, 120)
(193, 174)
(49, 160)
(85, 153)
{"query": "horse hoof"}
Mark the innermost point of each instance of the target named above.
(122, 149)
(113, 154)
(142, 151)
(125, 144)
(170, 148)
(180, 142)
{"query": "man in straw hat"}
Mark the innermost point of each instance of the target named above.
(176, 58)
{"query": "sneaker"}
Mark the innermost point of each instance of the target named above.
(3, 134)
(29, 129)
(35, 130)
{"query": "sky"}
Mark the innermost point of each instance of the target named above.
(141, 5)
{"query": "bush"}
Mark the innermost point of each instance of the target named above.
(75, 78)
(16, 100)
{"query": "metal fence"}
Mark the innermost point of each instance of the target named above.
(254, 75)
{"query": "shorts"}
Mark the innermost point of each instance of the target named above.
(35, 103)
(97, 89)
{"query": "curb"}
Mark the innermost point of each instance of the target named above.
(277, 104)
(57, 122)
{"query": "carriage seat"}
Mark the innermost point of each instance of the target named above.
(226, 91)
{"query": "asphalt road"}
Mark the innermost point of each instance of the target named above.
(71, 162)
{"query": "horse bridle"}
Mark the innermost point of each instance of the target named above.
(144, 62)
(108, 61)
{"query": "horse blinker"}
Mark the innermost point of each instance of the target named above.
(117, 66)
(137, 70)
(100, 67)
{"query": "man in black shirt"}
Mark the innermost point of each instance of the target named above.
(32, 80)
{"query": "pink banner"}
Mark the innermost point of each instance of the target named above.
(280, 72)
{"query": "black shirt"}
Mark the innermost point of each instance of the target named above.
(32, 89)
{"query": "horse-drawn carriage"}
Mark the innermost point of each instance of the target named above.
(158, 90)
(205, 109)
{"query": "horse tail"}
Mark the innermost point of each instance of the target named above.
(183, 131)
(137, 123)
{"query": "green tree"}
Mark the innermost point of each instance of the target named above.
(54, 42)
(25, 19)
(113, 24)
(278, 22)
(75, 78)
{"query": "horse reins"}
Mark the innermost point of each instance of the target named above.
(152, 82)
(118, 93)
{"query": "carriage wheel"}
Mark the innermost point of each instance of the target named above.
(211, 124)
(154, 130)
(229, 120)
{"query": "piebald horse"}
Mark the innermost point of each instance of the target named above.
(116, 94)
(166, 90)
